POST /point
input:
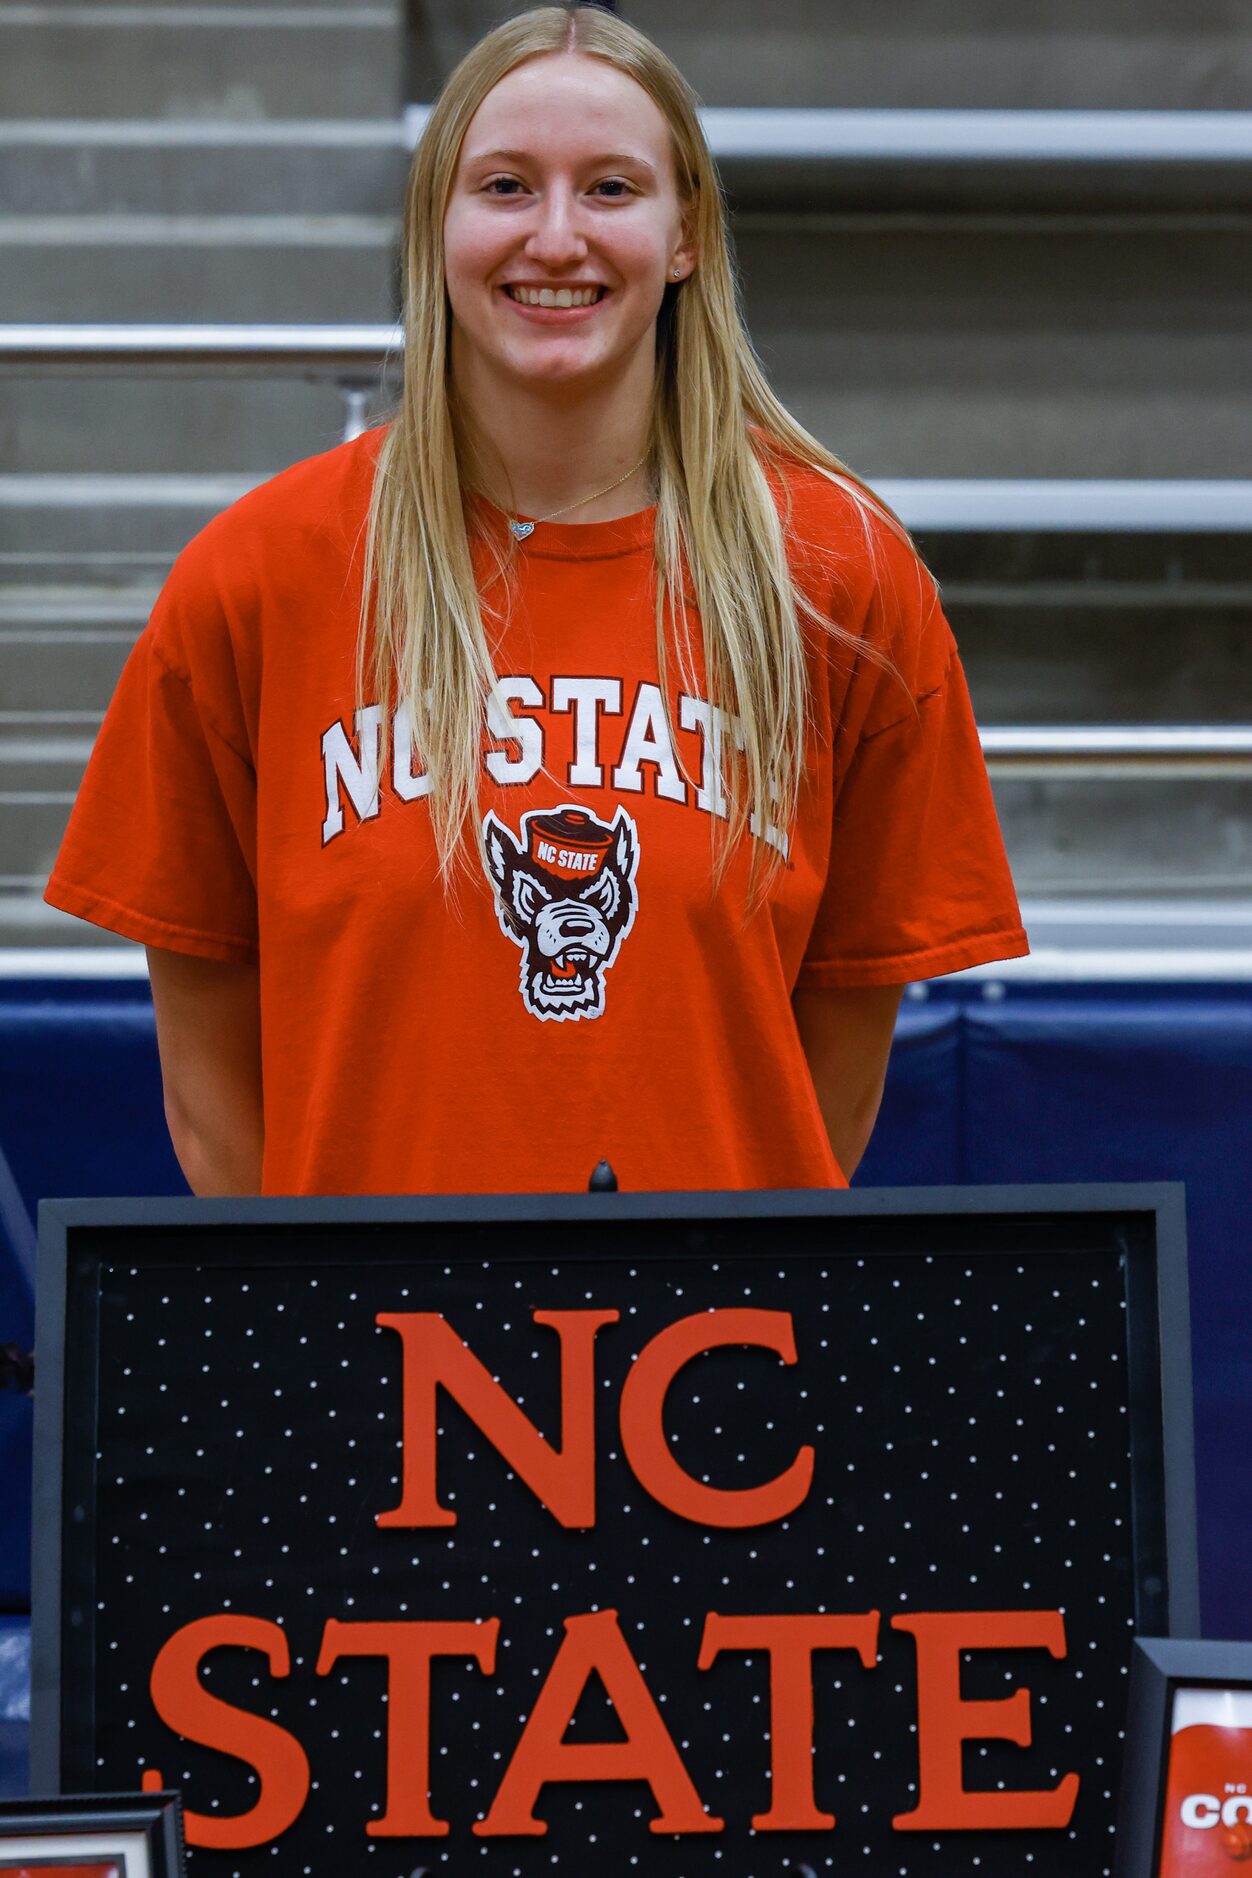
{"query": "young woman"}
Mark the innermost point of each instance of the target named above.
(577, 767)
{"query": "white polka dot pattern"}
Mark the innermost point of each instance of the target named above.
(969, 1417)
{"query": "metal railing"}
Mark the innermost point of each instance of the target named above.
(352, 357)
(779, 132)
(1201, 752)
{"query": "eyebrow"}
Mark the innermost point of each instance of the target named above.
(610, 159)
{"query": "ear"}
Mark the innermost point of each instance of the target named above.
(624, 849)
(503, 853)
(527, 896)
(686, 255)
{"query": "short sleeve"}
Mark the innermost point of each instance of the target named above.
(161, 843)
(917, 881)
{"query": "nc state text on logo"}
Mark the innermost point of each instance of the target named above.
(566, 895)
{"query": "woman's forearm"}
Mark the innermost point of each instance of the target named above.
(846, 1035)
(220, 1149)
(208, 1018)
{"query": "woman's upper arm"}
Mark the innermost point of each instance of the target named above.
(208, 1019)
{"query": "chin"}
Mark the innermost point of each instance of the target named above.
(562, 371)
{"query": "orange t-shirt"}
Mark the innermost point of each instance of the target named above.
(598, 1000)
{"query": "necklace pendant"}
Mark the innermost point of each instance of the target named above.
(521, 529)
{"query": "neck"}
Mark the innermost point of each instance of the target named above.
(541, 447)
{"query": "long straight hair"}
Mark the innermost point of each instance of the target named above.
(715, 428)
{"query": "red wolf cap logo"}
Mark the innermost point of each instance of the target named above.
(566, 895)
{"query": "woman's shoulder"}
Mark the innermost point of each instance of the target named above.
(287, 533)
(319, 497)
(275, 555)
(852, 554)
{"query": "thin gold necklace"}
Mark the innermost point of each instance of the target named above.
(522, 529)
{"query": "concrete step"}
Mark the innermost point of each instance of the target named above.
(163, 425)
(111, 568)
(1204, 937)
(69, 167)
(790, 158)
(932, 162)
(1046, 662)
(34, 818)
(210, 268)
(44, 752)
(977, 56)
(62, 648)
(25, 922)
(1149, 838)
(974, 54)
(976, 349)
(950, 348)
(1030, 660)
(72, 522)
(249, 62)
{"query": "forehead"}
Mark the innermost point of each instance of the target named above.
(564, 103)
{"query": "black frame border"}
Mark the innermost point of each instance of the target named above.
(1136, 1215)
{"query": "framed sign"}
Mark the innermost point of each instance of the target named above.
(122, 1835)
(1187, 1785)
(670, 1533)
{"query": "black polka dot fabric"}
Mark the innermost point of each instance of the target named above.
(969, 1416)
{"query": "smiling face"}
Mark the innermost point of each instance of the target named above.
(565, 193)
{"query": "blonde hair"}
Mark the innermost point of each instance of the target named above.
(424, 644)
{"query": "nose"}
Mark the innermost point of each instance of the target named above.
(575, 925)
(555, 240)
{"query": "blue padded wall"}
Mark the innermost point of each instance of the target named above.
(17, 1325)
(1036, 1084)
(14, 1705)
(1126, 1086)
(917, 1142)
(81, 1112)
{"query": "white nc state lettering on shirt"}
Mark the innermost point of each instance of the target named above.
(645, 752)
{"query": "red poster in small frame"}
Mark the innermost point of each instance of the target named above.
(56, 1868)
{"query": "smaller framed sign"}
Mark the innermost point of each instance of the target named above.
(113, 1835)
(1186, 1802)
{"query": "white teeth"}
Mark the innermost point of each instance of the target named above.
(559, 296)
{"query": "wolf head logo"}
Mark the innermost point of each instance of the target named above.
(566, 895)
